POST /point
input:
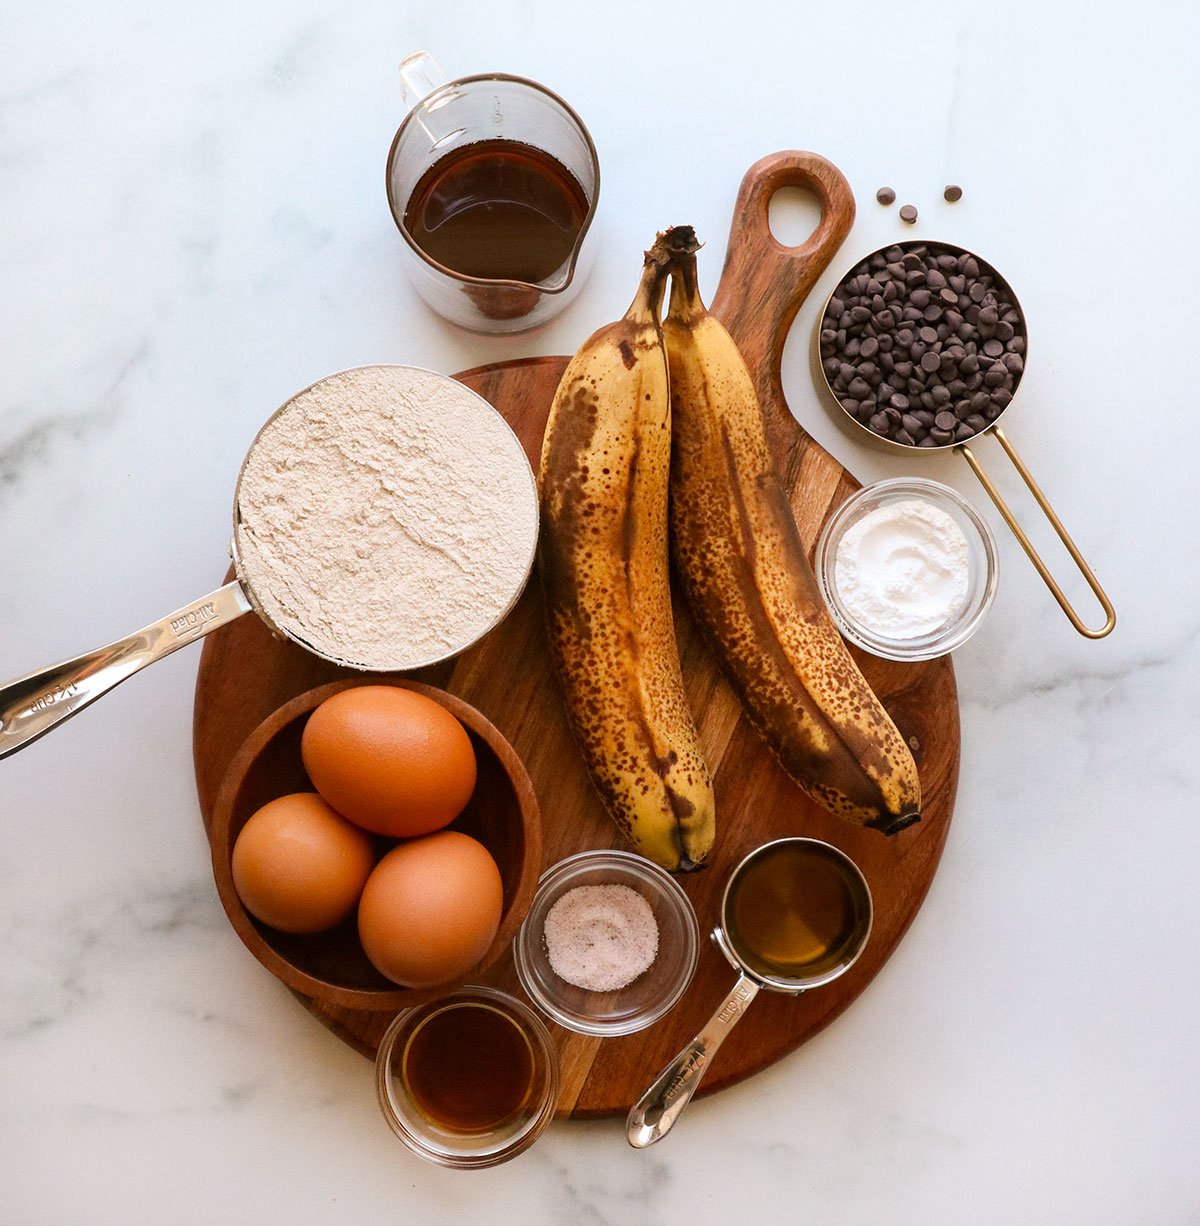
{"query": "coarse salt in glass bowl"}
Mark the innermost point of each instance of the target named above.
(654, 991)
(981, 568)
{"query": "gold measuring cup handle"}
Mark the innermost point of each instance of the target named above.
(1042, 569)
(657, 1110)
(32, 705)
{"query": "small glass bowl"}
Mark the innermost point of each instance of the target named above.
(648, 997)
(452, 1148)
(981, 568)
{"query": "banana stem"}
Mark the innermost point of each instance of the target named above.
(647, 302)
(680, 244)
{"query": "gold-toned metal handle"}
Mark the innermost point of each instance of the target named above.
(1042, 569)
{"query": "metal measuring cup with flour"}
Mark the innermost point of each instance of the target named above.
(385, 518)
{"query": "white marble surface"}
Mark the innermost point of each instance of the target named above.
(192, 226)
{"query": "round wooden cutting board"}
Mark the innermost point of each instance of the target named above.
(245, 673)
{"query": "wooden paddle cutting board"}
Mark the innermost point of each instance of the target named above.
(245, 674)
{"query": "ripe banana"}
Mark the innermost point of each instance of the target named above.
(749, 583)
(603, 561)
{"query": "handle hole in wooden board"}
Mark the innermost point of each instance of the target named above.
(793, 214)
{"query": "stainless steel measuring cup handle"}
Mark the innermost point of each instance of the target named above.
(32, 705)
(1110, 616)
(657, 1110)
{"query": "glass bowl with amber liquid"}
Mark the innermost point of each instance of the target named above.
(469, 1080)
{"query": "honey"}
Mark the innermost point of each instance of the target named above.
(469, 1069)
(796, 911)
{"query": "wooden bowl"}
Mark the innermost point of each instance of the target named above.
(331, 966)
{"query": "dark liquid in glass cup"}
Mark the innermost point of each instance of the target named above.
(498, 209)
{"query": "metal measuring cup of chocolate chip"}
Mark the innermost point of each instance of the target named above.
(922, 346)
(349, 595)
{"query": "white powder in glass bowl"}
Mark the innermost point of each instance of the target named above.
(386, 518)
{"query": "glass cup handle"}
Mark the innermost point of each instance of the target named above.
(420, 75)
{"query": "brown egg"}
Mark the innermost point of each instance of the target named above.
(391, 760)
(430, 909)
(299, 866)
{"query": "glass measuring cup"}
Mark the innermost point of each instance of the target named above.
(774, 939)
(448, 115)
(861, 431)
(33, 705)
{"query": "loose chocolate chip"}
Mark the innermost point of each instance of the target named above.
(908, 213)
(885, 195)
(952, 192)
